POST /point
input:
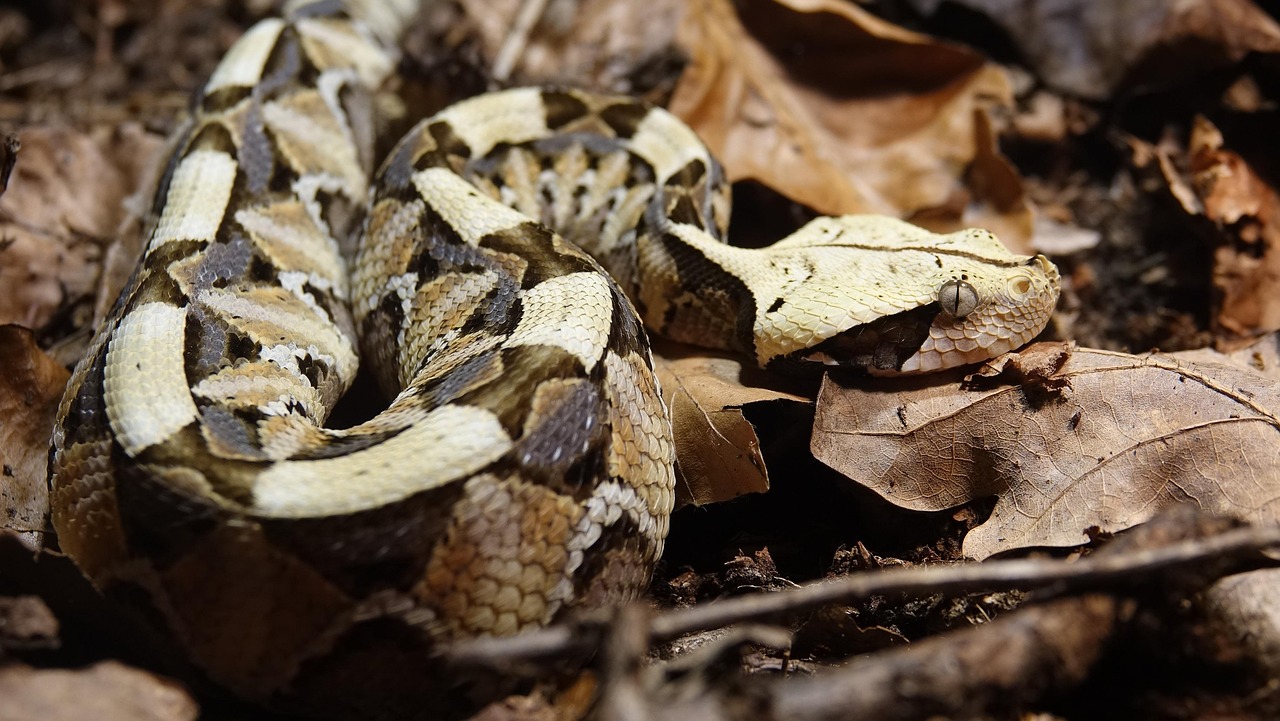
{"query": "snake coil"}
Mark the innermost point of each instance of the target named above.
(524, 467)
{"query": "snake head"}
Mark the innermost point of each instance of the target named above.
(898, 299)
(982, 317)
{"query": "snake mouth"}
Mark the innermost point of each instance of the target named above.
(881, 346)
(826, 360)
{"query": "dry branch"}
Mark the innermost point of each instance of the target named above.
(1201, 558)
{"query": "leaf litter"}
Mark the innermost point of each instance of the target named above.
(1104, 443)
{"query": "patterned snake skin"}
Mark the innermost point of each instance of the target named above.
(524, 467)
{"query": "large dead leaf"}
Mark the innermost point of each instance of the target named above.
(718, 454)
(30, 385)
(1091, 48)
(836, 108)
(62, 209)
(1124, 437)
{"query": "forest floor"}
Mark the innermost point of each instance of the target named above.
(1132, 143)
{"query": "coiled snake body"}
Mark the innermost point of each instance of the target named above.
(525, 465)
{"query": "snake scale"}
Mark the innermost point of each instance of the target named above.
(524, 467)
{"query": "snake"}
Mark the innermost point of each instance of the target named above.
(497, 274)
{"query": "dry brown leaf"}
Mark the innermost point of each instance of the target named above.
(1128, 436)
(63, 207)
(718, 455)
(1260, 356)
(31, 383)
(1038, 366)
(108, 691)
(836, 108)
(1221, 186)
(999, 200)
(835, 631)
(1158, 161)
(1246, 268)
(1089, 48)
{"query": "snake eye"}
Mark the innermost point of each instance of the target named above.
(957, 298)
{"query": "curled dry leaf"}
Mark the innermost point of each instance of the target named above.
(834, 631)
(1158, 162)
(30, 385)
(998, 199)
(1222, 187)
(1037, 365)
(718, 455)
(1246, 268)
(1128, 436)
(840, 110)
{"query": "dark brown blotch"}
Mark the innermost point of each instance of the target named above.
(562, 108)
(525, 366)
(161, 521)
(442, 387)
(627, 335)
(450, 150)
(624, 118)
(212, 136)
(690, 175)
(615, 569)
(718, 290)
(370, 551)
(567, 422)
(378, 331)
(535, 243)
(206, 343)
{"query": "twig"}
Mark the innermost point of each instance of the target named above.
(1098, 571)
(517, 38)
(1000, 669)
